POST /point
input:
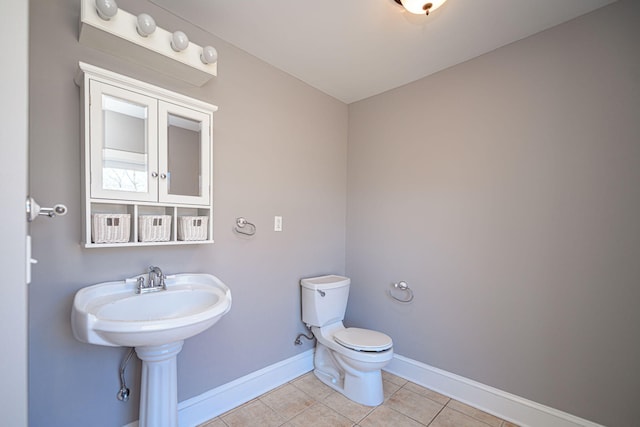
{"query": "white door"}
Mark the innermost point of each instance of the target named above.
(14, 79)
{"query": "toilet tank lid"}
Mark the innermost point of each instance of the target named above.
(325, 282)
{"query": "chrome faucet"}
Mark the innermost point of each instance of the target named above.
(156, 278)
(154, 283)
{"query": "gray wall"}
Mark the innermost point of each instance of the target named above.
(505, 191)
(279, 149)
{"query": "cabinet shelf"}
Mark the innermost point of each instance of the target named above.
(138, 210)
(137, 244)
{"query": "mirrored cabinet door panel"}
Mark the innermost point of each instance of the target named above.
(184, 155)
(123, 137)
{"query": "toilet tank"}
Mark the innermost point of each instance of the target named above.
(324, 299)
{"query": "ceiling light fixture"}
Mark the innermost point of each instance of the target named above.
(420, 7)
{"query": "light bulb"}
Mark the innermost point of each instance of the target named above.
(145, 25)
(209, 55)
(422, 7)
(106, 9)
(179, 41)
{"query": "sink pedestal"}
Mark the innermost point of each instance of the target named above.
(159, 386)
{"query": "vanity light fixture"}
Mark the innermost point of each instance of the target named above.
(145, 25)
(420, 7)
(106, 9)
(209, 55)
(137, 38)
(179, 41)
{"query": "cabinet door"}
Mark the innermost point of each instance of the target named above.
(123, 150)
(184, 151)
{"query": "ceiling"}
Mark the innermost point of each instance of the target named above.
(354, 49)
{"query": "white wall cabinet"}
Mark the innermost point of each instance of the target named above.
(147, 163)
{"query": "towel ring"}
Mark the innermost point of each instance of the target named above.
(241, 223)
(403, 286)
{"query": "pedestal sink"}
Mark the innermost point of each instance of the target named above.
(156, 324)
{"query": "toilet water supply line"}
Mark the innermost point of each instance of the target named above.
(298, 341)
(123, 393)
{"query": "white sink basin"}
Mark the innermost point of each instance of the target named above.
(113, 314)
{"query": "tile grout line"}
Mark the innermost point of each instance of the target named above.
(440, 411)
(443, 405)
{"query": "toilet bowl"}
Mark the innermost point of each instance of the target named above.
(356, 373)
(348, 360)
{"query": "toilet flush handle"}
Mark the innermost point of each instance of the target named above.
(321, 292)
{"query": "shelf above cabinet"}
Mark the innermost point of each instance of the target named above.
(118, 36)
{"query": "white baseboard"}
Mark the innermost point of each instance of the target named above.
(497, 402)
(219, 400)
(504, 405)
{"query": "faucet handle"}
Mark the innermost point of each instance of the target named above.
(139, 284)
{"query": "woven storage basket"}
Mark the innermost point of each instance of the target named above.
(154, 228)
(110, 228)
(192, 227)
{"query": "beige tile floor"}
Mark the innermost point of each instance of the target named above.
(307, 402)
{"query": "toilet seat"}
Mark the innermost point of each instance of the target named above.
(363, 339)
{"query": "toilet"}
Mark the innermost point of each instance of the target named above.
(348, 360)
